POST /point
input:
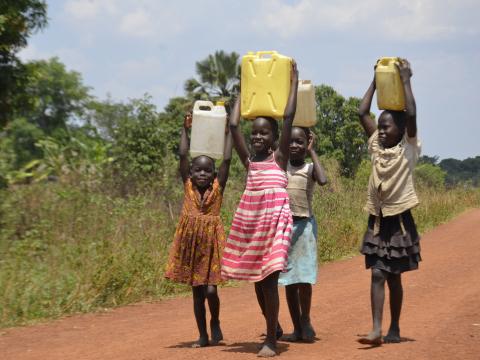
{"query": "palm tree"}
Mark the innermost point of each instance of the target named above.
(219, 76)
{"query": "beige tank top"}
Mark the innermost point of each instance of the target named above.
(300, 189)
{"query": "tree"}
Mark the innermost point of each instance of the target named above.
(19, 19)
(425, 159)
(462, 171)
(52, 95)
(338, 129)
(430, 175)
(219, 76)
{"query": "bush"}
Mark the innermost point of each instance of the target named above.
(430, 176)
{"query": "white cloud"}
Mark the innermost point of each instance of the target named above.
(409, 20)
(138, 23)
(89, 9)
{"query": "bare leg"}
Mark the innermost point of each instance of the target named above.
(261, 302)
(269, 287)
(394, 282)
(305, 296)
(377, 297)
(200, 316)
(292, 294)
(214, 306)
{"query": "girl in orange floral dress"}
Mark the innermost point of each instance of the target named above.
(197, 248)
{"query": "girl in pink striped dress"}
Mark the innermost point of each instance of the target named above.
(257, 246)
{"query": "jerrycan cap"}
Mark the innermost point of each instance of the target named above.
(220, 103)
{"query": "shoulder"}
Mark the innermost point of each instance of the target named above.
(413, 144)
(373, 142)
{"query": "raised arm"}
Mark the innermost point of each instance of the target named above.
(410, 106)
(319, 174)
(364, 110)
(283, 151)
(237, 136)
(227, 157)
(184, 147)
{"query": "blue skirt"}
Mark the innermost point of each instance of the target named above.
(302, 264)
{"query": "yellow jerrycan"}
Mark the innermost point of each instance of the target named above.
(265, 81)
(306, 114)
(390, 93)
(208, 129)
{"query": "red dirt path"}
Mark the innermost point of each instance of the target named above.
(441, 315)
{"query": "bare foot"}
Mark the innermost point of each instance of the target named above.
(217, 335)
(278, 334)
(393, 336)
(201, 342)
(308, 334)
(268, 350)
(293, 337)
(374, 338)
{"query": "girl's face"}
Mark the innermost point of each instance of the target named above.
(298, 144)
(261, 137)
(389, 134)
(202, 172)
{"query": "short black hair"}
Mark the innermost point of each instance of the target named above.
(199, 156)
(306, 130)
(398, 117)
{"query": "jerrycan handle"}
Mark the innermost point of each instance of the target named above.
(384, 61)
(262, 53)
(203, 103)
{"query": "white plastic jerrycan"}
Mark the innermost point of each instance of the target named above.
(390, 93)
(306, 114)
(208, 129)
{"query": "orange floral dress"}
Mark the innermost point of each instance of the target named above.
(197, 248)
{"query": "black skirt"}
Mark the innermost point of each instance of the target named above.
(395, 246)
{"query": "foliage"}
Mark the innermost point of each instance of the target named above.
(429, 175)
(219, 77)
(19, 19)
(462, 171)
(425, 159)
(66, 248)
(53, 96)
(23, 136)
(340, 134)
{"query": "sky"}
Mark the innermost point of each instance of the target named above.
(124, 49)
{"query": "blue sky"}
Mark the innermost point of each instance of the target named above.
(128, 48)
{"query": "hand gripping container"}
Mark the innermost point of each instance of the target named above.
(208, 129)
(265, 82)
(390, 93)
(306, 113)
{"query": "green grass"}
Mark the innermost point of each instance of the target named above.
(66, 249)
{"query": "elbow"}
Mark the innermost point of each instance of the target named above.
(289, 116)
(362, 112)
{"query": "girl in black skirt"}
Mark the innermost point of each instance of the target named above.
(391, 242)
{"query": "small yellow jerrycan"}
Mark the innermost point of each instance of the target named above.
(208, 129)
(306, 113)
(390, 93)
(265, 81)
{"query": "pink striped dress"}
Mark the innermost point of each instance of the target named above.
(262, 226)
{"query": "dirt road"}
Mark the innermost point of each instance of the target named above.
(440, 319)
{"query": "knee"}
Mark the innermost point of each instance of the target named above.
(211, 292)
(395, 281)
(378, 276)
